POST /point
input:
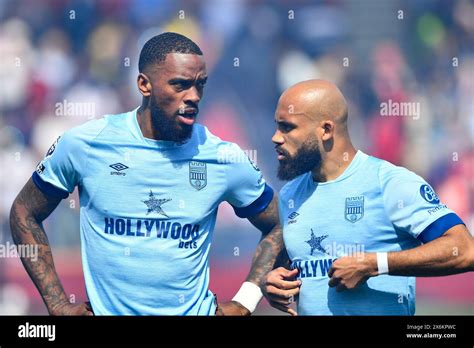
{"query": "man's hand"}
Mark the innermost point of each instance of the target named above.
(281, 288)
(73, 309)
(231, 308)
(349, 272)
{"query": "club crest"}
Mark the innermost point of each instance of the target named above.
(198, 174)
(354, 210)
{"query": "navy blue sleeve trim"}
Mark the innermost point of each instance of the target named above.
(48, 188)
(259, 205)
(439, 227)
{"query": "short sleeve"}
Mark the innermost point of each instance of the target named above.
(412, 205)
(57, 174)
(247, 190)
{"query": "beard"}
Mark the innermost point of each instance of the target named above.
(168, 128)
(306, 158)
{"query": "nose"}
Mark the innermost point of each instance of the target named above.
(277, 138)
(193, 95)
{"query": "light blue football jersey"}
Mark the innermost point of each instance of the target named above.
(148, 211)
(373, 206)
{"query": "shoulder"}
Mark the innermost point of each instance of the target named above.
(205, 138)
(85, 132)
(389, 172)
(226, 152)
(399, 182)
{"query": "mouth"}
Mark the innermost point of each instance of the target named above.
(187, 116)
(281, 154)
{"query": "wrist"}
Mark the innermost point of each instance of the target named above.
(248, 296)
(371, 264)
(54, 308)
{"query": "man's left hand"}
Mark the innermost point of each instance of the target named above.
(232, 308)
(349, 272)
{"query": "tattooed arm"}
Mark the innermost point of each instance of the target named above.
(28, 211)
(270, 253)
(270, 250)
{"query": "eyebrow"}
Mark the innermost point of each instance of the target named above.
(285, 123)
(186, 80)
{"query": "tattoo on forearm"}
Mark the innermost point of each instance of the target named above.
(266, 254)
(270, 246)
(30, 208)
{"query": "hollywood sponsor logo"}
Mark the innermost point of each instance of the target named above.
(318, 268)
(186, 234)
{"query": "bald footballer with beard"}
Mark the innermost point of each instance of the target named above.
(357, 229)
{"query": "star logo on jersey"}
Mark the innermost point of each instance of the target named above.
(354, 208)
(315, 242)
(154, 204)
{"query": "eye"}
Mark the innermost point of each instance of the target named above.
(285, 128)
(178, 87)
(201, 83)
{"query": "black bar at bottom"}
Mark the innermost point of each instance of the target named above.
(136, 331)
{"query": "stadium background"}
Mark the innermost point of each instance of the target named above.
(85, 53)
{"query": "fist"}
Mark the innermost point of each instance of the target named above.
(349, 272)
(281, 288)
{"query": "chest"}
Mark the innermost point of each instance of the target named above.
(329, 222)
(137, 182)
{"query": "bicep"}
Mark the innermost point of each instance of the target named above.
(33, 202)
(266, 220)
(461, 235)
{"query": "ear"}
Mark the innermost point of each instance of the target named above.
(327, 130)
(144, 85)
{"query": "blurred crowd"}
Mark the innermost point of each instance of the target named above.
(55, 52)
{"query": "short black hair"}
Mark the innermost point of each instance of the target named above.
(155, 50)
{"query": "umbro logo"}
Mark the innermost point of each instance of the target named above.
(292, 217)
(118, 167)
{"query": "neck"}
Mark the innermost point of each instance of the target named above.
(334, 163)
(145, 123)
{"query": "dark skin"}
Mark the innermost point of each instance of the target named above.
(176, 86)
(30, 208)
(317, 108)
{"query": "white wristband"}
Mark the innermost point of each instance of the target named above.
(382, 263)
(249, 295)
